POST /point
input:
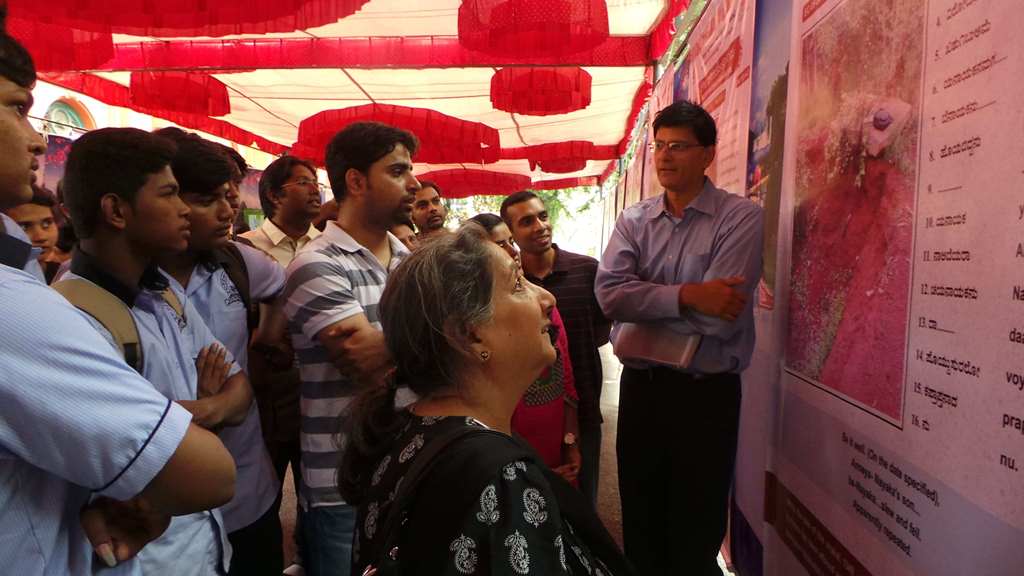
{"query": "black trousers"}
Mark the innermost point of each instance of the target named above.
(590, 456)
(676, 448)
(256, 549)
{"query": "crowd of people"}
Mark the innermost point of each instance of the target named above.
(435, 391)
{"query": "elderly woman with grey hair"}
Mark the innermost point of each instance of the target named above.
(441, 485)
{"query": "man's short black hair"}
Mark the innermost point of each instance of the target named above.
(512, 199)
(432, 184)
(200, 166)
(15, 62)
(686, 114)
(238, 160)
(358, 146)
(110, 160)
(274, 177)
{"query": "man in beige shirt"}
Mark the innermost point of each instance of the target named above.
(290, 197)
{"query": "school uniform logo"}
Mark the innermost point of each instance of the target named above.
(233, 296)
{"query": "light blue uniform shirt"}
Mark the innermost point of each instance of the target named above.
(651, 253)
(75, 421)
(213, 294)
(32, 266)
(195, 544)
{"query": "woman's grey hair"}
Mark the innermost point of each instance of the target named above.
(431, 300)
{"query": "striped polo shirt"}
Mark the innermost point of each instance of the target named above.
(332, 278)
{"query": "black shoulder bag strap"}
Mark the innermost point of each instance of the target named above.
(386, 556)
(575, 508)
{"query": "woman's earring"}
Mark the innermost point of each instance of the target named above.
(485, 355)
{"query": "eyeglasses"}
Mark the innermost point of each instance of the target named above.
(673, 147)
(306, 182)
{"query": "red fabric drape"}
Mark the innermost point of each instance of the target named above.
(643, 94)
(55, 47)
(115, 94)
(608, 171)
(186, 92)
(532, 27)
(561, 157)
(565, 183)
(665, 31)
(460, 182)
(186, 17)
(549, 155)
(443, 139)
(541, 91)
(370, 52)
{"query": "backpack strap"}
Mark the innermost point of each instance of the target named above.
(109, 311)
(172, 300)
(230, 258)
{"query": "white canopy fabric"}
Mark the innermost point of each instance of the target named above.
(271, 102)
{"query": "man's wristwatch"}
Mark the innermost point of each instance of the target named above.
(569, 439)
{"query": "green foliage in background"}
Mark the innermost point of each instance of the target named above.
(560, 204)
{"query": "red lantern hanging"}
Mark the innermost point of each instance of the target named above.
(59, 48)
(541, 91)
(561, 157)
(564, 183)
(187, 92)
(114, 94)
(533, 27)
(463, 182)
(443, 139)
(170, 18)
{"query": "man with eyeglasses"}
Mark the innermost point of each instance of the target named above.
(290, 198)
(680, 268)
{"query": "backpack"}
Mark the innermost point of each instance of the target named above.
(231, 260)
(116, 317)
(113, 314)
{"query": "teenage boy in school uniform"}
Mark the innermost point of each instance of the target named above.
(200, 276)
(126, 209)
(93, 460)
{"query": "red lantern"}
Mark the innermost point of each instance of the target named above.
(532, 27)
(187, 17)
(561, 157)
(462, 182)
(59, 48)
(565, 183)
(443, 139)
(541, 91)
(187, 92)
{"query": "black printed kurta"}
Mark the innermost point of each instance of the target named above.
(513, 528)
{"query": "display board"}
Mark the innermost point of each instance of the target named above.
(899, 444)
(716, 75)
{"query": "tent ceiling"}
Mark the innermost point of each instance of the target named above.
(272, 101)
(439, 18)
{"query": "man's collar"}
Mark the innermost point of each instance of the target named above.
(560, 264)
(703, 203)
(342, 239)
(86, 266)
(338, 236)
(15, 248)
(276, 235)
